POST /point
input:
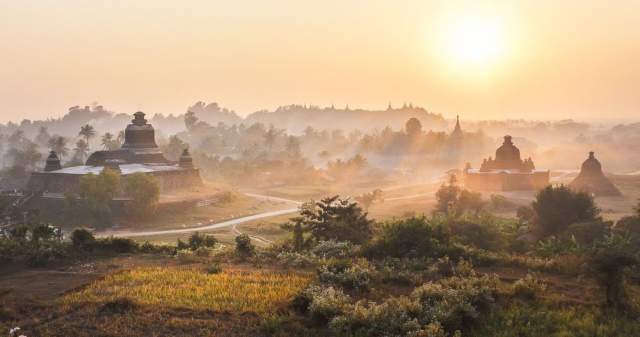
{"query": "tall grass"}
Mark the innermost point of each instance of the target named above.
(258, 292)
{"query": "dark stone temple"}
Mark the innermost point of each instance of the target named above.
(139, 153)
(507, 172)
(592, 179)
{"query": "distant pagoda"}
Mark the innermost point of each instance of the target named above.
(592, 179)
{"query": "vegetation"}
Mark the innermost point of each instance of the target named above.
(144, 191)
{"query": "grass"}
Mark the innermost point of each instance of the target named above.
(255, 291)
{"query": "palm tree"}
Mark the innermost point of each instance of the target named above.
(108, 142)
(59, 145)
(87, 131)
(81, 151)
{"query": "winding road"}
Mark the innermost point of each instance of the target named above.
(227, 223)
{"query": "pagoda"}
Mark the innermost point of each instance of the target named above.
(592, 179)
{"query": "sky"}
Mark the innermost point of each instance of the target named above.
(537, 59)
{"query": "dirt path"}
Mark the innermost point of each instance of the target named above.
(223, 224)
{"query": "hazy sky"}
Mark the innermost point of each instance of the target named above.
(505, 59)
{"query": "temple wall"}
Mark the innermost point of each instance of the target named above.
(503, 181)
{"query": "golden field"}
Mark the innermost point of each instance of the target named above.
(236, 291)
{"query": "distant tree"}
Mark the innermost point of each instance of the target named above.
(42, 138)
(369, 198)
(80, 152)
(454, 200)
(413, 127)
(558, 207)
(26, 156)
(108, 142)
(174, 148)
(144, 191)
(87, 131)
(190, 120)
(271, 136)
(59, 145)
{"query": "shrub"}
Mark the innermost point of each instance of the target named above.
(528, 287)
(344, 273)
(214, 268)
(297, 260)
(412, 237)
(324, 303)
(121, 305)
(197, 240)
(332, 249)
(82, 239)
(44, 254)
(186, 256)
(244, 247)
(481, 234)
(118, 245)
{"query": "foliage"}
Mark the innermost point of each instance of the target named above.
(333, 249)
(82, 239)
(411, 237)
(558, 207)
(331, 218)
(244, 247)
(454, 200)
(529, 287)
(144, 191)
(346, 274)
(197, 240)
(369, 198)
(93, 197)
(321, 303)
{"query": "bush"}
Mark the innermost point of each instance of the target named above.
(214, 268)
(197, 240)
(244, 247)
(481, 234)
(332, 249)
(83, 239)
(528, 287)
(118, 245)
(412, 237)
(297, 260)
(324, 303)
(344, 273)
(186, 256)
(44, 254)
(558, 207)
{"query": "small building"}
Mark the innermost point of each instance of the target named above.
(592, 179)
(139, 153)
(507, 172)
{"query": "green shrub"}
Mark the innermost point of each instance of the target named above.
(333, 249)
(244, 247)
(325, 303)
(197, 240)
(83, 239)
(118, 245)
(412, 237)
(296, 260)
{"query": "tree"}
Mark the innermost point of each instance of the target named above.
(42, 138)
(453, 200)
(190, 120)
(336, 219)
(413, 127)
(367, 199)
(87, 131)
(174, 148)
(144, 191)
(93, 196)
(558, 207)
(610, 263)
(244, 247)
(108, 142)
(80, 152)
(59, 145)
(271, 136)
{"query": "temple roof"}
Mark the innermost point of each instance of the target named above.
(124, 169)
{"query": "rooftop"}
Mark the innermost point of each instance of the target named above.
(124, 169)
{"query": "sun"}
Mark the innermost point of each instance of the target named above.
(474, 40)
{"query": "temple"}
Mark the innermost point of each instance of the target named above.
(138, 153)
(592, 180)
(507, 172)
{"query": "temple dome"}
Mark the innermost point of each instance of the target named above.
(508, 155)
(592, 179)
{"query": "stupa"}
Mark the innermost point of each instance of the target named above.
(592, 180)
(507, 172)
